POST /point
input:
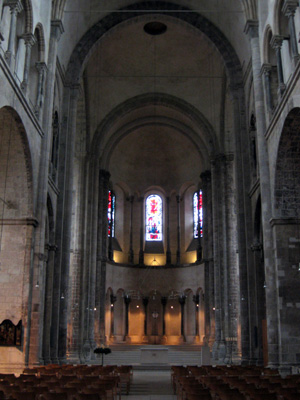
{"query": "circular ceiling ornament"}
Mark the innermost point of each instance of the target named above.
(155, 28)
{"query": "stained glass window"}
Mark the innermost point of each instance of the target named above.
(198, 214)
(153, 217)
(111, 213)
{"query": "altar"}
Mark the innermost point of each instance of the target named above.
(154, 355)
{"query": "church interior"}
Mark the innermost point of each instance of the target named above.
(149, 181)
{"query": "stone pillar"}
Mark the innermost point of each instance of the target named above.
(15, 8)
(232, 294)
(74, 323)
(41, 205)
(276, 43)
(196, 299)
(220, 256)
(266, 72)
(1, 33)
(89, 263)
(145, 304)
(131, 253)
(164, 301)
(289, 9)
(46, 356)
(272, 306)
(181, 300)
(208, 257)
(113, 299)
(102, 233)
(259, 300)
(141, 254)
(127, 301)
(29, 39)
(41, 67)
(178, 253)
(65, 215)
(168, 252)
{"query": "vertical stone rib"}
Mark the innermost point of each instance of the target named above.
(273, 321)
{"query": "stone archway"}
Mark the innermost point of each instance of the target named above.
(16, 228)
(286, 233)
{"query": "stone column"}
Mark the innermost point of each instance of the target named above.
(89, 263)
(164, 301)
(46, 356)
(1, 33)
(181, 300)
(30, 40)
(168, 252)
(15, 8)
(258, 289)
(220, 256)
(266, 72)
(127, 301)
(178, 253)
(276, 43)
(141, 254)
(41, 67)
(232, 294)
(272, 306)
(102, 233)
(145, 304)
(41, 206)
(208, 257)
(131, 253)
(64, 214)
(113, 299)
(196, 299)
(289, 9)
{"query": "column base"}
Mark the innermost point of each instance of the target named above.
(145, 339)
(164, 340)
(127, 339)
(181, 339)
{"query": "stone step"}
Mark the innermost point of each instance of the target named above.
(133, 357)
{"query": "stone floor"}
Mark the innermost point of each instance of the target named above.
(151, 385)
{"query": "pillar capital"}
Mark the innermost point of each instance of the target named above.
(266, 69)
(57, 28)
(29, 39)
(182, 299)
(14, 5)
(104, 174)
(289, 7)
(251, 28)
(127, 299)
(196, 299)
(113, 299)
(256, 246)
(276, 41)
(145, 301)
(164, 301)
(41, 66)
(206, 176)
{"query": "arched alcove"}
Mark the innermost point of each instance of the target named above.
(16, 223)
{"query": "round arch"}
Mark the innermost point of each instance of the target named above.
(85, 45)
(206, 144)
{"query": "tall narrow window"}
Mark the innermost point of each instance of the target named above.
(198, 214)
(153, 218)
(111, 213)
